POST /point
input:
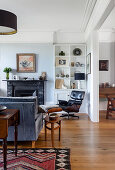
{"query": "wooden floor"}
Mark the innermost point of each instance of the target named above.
(92, 145)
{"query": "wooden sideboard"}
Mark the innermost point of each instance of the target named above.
(9, 117)
(104, 92)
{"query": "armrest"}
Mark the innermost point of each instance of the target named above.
(71, 102)
(63, 102)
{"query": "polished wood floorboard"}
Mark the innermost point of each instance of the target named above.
(92, 145)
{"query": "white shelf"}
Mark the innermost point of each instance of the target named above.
(60, 56)
(76, 67)
(62, 67)
(62, 78)
(75, 56)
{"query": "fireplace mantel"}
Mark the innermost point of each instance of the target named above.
(26, 85)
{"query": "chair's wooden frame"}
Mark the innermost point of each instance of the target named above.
(109, 105)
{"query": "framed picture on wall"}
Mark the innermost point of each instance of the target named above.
(26, 63)
(88, 63)
(103, 65)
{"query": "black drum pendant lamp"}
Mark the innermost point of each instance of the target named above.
(8, 23)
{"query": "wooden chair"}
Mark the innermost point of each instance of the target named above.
(110, 105)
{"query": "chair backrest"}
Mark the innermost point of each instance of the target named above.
(111, 101)
(77, 95)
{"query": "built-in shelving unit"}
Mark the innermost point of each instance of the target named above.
(66, 64)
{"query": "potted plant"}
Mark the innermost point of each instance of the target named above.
(7, 70)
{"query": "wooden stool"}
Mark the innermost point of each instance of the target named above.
(57, 121)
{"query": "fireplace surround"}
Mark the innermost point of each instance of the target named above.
(23, 88)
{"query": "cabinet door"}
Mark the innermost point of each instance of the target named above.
(61, 96)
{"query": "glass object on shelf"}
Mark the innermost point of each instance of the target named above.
(78, 64)
(64, 86)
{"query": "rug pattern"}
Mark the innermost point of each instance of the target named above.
(37, 159)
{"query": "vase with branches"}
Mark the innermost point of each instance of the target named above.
(7, 70)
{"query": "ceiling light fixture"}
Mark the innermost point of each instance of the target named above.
(8, 23)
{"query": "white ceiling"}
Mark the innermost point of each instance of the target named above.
(109, 22)
(51, 15)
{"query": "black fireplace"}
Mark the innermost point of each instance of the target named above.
(24, 93)
(23, 88)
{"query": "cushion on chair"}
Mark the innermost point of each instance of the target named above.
(77, 95)
(58, 109)
(113, 103)
(49, 109)
(63, 102)
(73, 108)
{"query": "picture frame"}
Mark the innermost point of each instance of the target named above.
(88, 64)
(26, 62)
(62, 62)
(103, 65)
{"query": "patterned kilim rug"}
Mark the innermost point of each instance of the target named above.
(37, 159)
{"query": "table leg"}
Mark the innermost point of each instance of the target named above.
(15, 136)
(59, 130)
(5, 153)
(68, 115)
(45, 131)
(33, 144)
(52, 134)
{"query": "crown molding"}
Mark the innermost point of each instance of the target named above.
(87, 14)
(100, 13)
(110, 30)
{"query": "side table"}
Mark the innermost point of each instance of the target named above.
(8, 117)
(52, 122)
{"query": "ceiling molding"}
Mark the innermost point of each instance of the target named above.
(100, 13)
(112, 30)
(87, 14)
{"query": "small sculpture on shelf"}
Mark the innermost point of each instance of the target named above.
(74, 86)
(64, 86)
(57, 75)
(43, 76)
(61, 53)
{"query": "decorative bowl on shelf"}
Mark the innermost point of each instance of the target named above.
(77, 51)
(53, 116)
(2, 108)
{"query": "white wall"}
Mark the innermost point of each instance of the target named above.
(88, 77)
(107, 52)
(44, 62)
(93, 78)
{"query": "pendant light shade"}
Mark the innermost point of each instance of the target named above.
(8, 23)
